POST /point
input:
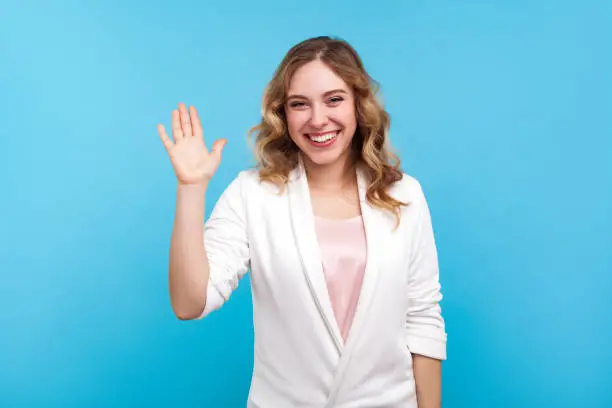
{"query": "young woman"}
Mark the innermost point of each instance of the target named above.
(338, 241)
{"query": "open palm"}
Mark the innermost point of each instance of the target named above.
(193, 163)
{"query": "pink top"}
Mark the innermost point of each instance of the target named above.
(343, 252)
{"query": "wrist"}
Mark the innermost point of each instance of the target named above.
(192, 190)
(198, 186)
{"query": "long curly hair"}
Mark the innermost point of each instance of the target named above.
(277, 155)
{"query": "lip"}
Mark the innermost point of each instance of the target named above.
(324, 144)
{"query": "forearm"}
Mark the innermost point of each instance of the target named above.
(428, 380)
(188, 269)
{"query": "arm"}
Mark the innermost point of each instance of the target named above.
(425, 328)
(207, 260)
(428, 380)
(189, 269)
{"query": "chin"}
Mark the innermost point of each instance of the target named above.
(325, 158)
(322, 159)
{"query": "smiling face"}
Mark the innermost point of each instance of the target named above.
(320, 112)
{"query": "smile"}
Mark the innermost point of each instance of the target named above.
(323, 138)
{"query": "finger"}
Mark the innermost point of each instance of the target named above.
(185, 120)
(196, 125)
(177, 131)
(164, 137)
(217, 147)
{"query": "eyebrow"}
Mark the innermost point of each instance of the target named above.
(333, 91)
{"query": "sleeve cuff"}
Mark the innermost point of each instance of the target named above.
(214, 300)
(426, 346)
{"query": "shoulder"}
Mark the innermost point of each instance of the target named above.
(247, 183)
(408, 189)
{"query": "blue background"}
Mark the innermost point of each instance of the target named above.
(503, 110)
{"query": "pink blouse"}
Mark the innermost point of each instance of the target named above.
(343, 252)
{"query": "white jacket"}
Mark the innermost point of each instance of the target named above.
(300, 358)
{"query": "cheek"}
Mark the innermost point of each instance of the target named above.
(347, 115)
(295, 122)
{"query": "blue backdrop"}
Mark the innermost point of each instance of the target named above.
(502, 109)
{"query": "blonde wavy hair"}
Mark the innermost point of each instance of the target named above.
(277, 155)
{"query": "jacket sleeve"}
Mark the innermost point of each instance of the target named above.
(227, 245)
(425, 327)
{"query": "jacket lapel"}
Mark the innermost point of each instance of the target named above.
(374, 225)
(304, 232)
(303, 227)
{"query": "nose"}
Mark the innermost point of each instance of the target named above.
(318, 117)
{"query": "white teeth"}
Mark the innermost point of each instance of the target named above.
(323, 138)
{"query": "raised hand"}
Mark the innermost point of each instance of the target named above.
(193, 163)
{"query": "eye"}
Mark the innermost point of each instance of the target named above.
(335, 99)
(297, 104)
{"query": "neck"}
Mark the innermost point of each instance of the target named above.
(333, 176)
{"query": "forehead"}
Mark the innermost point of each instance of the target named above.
(315, 78)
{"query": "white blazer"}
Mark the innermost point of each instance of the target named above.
(300, 359)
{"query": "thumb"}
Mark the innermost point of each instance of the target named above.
(218, 146)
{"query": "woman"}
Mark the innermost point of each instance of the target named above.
(339, 242)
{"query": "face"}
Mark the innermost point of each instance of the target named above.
(320, 112)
